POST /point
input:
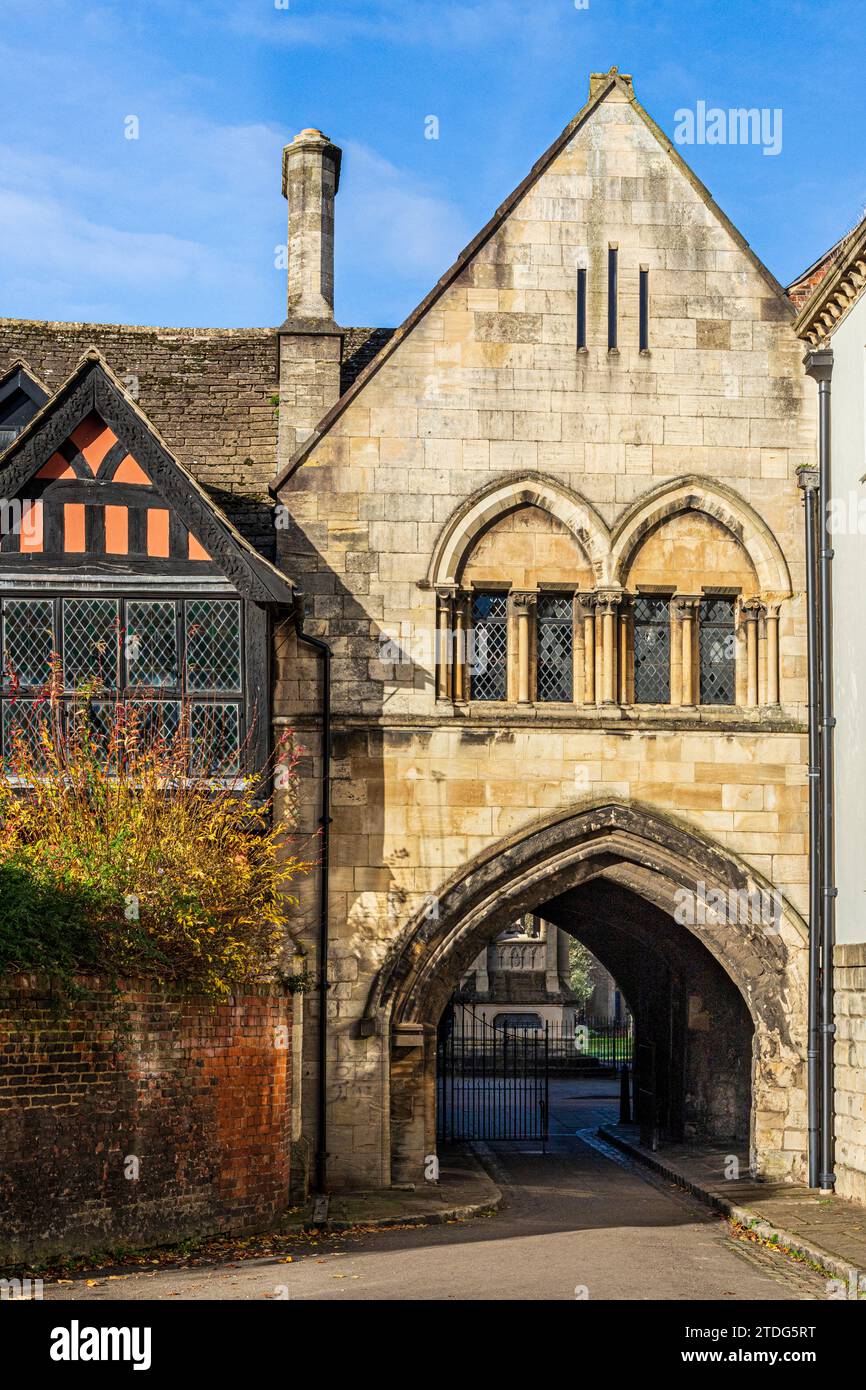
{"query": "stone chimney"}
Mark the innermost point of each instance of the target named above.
(311, 177)
(311, 343)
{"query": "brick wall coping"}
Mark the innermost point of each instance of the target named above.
(12, 983)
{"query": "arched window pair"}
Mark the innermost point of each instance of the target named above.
(568, 647)
(540, 601)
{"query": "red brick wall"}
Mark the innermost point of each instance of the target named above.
(199, 1093)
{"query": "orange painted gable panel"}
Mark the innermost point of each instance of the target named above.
(157, 533)
(195, 551)
(94, 439)
(31, 528)
(73, 528)
(116, 530)
(128, 471)
(56, 467)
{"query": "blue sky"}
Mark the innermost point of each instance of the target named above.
(180, 225)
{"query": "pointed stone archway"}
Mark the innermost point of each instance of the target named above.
(655, 860)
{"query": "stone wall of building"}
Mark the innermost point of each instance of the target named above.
(140, 1117)
(850, 1060)
(486, 389)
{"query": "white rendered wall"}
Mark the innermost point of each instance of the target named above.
(849, 618)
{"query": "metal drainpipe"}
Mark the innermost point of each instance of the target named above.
(819, 365)
(808, 480)
(321, 1160)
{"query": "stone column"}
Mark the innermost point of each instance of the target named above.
(461, 691)
(625, 614)
(551, 958)
(444, 628)
(772, 687)
(523, 605)
(607, 608)
(686, 608)
(751, 612)
(578, 660)
(482, 980)
(586, 610)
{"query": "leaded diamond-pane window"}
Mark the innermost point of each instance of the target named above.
(158, 719)
(28, 641)
(718, 684)
(150, 642)
(91, 642)
(23, 722)
(215, 738)
(652, 651)
(555, 647)
(151, 720)
(488, 667)
(91, 721)
(213, 645)
(161, 667)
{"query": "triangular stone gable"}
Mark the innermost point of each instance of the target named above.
(611, 178)
(95, 486)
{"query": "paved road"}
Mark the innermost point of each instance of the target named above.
(577, 1222)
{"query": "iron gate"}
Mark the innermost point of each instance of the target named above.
(491, 1082)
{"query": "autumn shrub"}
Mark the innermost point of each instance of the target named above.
(118, 857)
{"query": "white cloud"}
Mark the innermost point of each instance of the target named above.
(158, 240)
(59, 264)
(389, 219)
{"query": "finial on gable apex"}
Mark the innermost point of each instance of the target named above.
(599, 80)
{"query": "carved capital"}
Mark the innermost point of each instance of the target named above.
(445, 594)
(523, 602)
(607, 601)
(685, 607)
(752, 609)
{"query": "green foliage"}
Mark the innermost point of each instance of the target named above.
(581, 964)
(44, 921)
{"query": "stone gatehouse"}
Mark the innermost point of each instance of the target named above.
(551, 532)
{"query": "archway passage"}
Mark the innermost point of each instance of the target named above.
(536, 1020)
(687, 1010)
(720, 997)
(692, 1060)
